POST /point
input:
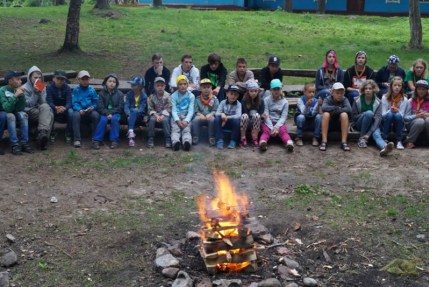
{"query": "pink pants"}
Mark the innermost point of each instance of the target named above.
(266, 133)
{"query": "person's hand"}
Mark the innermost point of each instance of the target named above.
(109, 117)
(309, 102)
(82, 112)
(320, 101)
(223, 116)
(202, 117)
(209, 117)
(59, 109)
(216, 91)
(274, 132)
(184, 124)
(90, 109)
(420, 115)
(159, 118)
(264, 116)
(19, 92)
(365, 137)
(394, 109)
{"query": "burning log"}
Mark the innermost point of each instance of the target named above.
(226, 243)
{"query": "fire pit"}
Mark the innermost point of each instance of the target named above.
(227, 245)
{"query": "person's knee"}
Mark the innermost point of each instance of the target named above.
(344, 117)
(326, 116)
(11, 117)
(300, 119)
(244, 117)
(369, 114)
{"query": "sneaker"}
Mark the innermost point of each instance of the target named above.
(52, 138)
(68, 139)
(212, 141)
(150, 143)
(114, 145)
(299, 142)
(43, 139)
(315, 142)
(76, 144)
(255, 142)
(176, 146)
(411, 145)
(26, 148)
(289, 146)
(168, 143)
(195, 140)
(243, 142)
(186, 146)
(16, 150)
(219, 144)
(263, 145)
(232, 144)
(362, 143)
(95, 145)
(387, 149)
(399, 145)
(131, 142)
(131, 134)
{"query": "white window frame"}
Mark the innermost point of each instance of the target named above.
(393, 1)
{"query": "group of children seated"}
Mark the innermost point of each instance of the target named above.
(182, 103)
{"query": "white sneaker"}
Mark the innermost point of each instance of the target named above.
(289, 146)
(399, 145)
(131, 134)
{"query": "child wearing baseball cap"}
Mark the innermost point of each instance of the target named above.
(135, 106)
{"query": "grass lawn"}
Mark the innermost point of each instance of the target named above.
(125, 43)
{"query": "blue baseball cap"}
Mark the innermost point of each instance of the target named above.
(137, 81)
(276, 84)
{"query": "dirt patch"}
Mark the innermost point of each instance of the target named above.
(115, 207)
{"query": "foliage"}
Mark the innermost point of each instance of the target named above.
(125, 44)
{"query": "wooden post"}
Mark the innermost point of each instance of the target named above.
(416, 33)
(288, 5)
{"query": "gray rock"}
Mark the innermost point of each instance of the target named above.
(182, 280)
(191, 235)
(175, 250)
(227, 283)
(309, 282)
(166, 261)
(10, 238)
(293, 284)
(170, 272)
(8, 259)
(4, 279)
(421, 237)
(286, 273)
(291, 263)
(253, 284)
(270, 282)
(161, 252)
(206, 282)
(265, 238)
(283, 251)
(257, 228)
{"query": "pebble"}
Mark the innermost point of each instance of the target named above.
(191, 235)
(10, 238)
(9, 259)
(421, 237)
(293, 284)
(170, 272)
(227, 283)
(265, 238)
(309, 282)
(291, 263)
(161, 252)
(205, 283)
(4, 279)
(270, 282)
(183, 280)
(166, 261)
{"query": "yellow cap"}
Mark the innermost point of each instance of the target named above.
(180, 78)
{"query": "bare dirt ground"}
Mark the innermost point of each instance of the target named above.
(115, 207)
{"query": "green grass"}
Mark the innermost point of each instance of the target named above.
(125, 45)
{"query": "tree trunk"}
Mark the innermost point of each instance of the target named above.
(416, 32)
(321, 6)
(288, 5)
(71, 40)
(59, 2)
(102, 4)
(157, 3)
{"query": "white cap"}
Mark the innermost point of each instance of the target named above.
(82, 74)
(338, 86)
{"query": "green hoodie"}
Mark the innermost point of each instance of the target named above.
(8, 102)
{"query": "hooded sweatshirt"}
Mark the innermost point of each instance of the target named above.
(33, 98)
(277, 110)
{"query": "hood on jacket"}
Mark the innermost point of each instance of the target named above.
(110, 76)
(31, 71)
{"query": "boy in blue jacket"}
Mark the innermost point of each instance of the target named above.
(84, 103)
(59, 98)
(135, 107)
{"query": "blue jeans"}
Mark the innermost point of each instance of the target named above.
(114, 128)
(3, 121)
(93, 117)
(397, 121)
(22, 118)
(165, 127)
(364, 122)
(376, 136)
(67, 118)
(324, 93)
(351, 95)
(308, 123)
(231, 124)
(197, 123)
(134, 117)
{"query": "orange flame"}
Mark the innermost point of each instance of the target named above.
(232, 267)
(225, 210)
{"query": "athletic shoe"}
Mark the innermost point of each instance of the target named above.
(299, 142)
(263, 145)
(289, 146)
(388, 148)
(76, 144)
(26, 148)
(399, 145)
(186, 146)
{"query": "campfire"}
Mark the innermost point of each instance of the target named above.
(226, 243)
